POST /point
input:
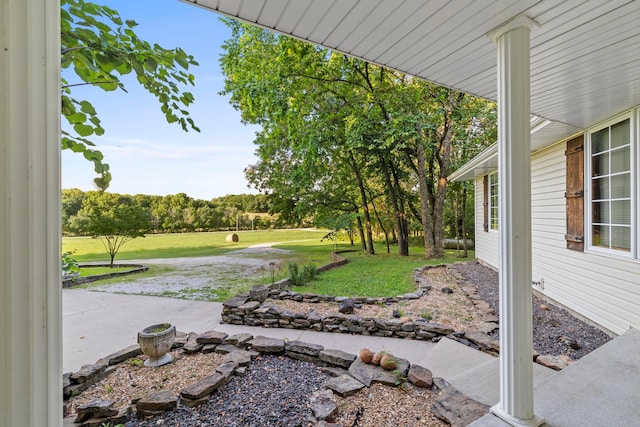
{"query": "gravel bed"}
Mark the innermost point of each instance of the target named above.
(274, 392)
(555, 330)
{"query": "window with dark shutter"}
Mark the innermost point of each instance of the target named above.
(575, 194)
(485, 202)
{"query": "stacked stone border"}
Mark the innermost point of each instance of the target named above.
(71, 282)
(348, 373)
(243, 310)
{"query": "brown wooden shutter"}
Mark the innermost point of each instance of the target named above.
(575, 194)
(485, 205)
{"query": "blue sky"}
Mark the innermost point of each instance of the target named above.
(146, 154)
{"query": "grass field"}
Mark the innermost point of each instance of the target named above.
(365, 275)
(183, 244)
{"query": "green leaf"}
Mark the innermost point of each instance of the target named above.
(82, 129)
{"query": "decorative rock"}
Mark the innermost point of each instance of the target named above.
(487, 327)
(238, 357)
(366, 355)
(267, 345)
(124, 354)
(88, 374)
(483, 340)
(238, 339)
(227, 369)
(337, 358)
(420, 376)
(344, 385)
(303, 348)
(377, 357)
(333, 371)
(180, 339)
(323, 405)
(209, 348)
(98, 408)
(388, 362)
(396, 314)
(192, 347)
(346, 307)
(456, 408)
(436, 328)
(249, 306)
(156, 402)
(544, 307)
(204, 387)
(234, 302)
(411, 295)
(368, 374)
(554, 362)
(225, 348)
(211, 337)
(446, 290)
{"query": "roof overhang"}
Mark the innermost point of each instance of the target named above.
(585, 60)
(484, 163)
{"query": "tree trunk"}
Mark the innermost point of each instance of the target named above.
(361, 234)
(403, 247)
(427, 226)
(365, 207)
(382, 227)
(445, 160)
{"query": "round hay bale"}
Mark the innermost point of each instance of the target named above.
(232, 238)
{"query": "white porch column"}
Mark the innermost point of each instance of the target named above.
(514, 188)
(30, 292)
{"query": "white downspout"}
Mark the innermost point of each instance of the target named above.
(514, 189)
(30, 289)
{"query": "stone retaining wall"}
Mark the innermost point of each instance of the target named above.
(241, 310)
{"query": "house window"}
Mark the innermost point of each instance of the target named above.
(611, 179)
(493, 200)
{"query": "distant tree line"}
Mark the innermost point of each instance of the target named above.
(83, 213)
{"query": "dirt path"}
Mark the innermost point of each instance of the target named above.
(201, 277)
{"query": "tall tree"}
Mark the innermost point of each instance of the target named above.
(98, 47)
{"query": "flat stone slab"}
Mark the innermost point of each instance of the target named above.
(238, 339)
(323, 405)
(267, 345)
(225, 348)
(420, 376)
(204, 387)
(370, 373)
(98, 408)
(337, 358)
(239, 357)
(235, 302)
(157, 401)
(303, 348)
(554, 362)
(124, 354)
(344, 385)
(454, 407)
(436, 328)
(88, 373)
(211, 337)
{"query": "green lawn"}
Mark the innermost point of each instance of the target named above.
(380, 275)
(182, 244)
(365, 275)
(94, 271)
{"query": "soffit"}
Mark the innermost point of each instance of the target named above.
(585, 55)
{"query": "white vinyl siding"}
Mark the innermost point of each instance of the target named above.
(601, 288)
(486, 243)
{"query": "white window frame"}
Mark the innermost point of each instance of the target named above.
(493, 182)
(634, 117)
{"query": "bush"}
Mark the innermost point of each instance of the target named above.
(299, 278)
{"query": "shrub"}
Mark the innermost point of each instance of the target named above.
(299, 278)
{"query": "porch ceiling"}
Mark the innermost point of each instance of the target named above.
(585, 55)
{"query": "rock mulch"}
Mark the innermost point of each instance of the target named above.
(263, 381)
(557, 334)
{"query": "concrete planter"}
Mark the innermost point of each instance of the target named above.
(155, 342)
